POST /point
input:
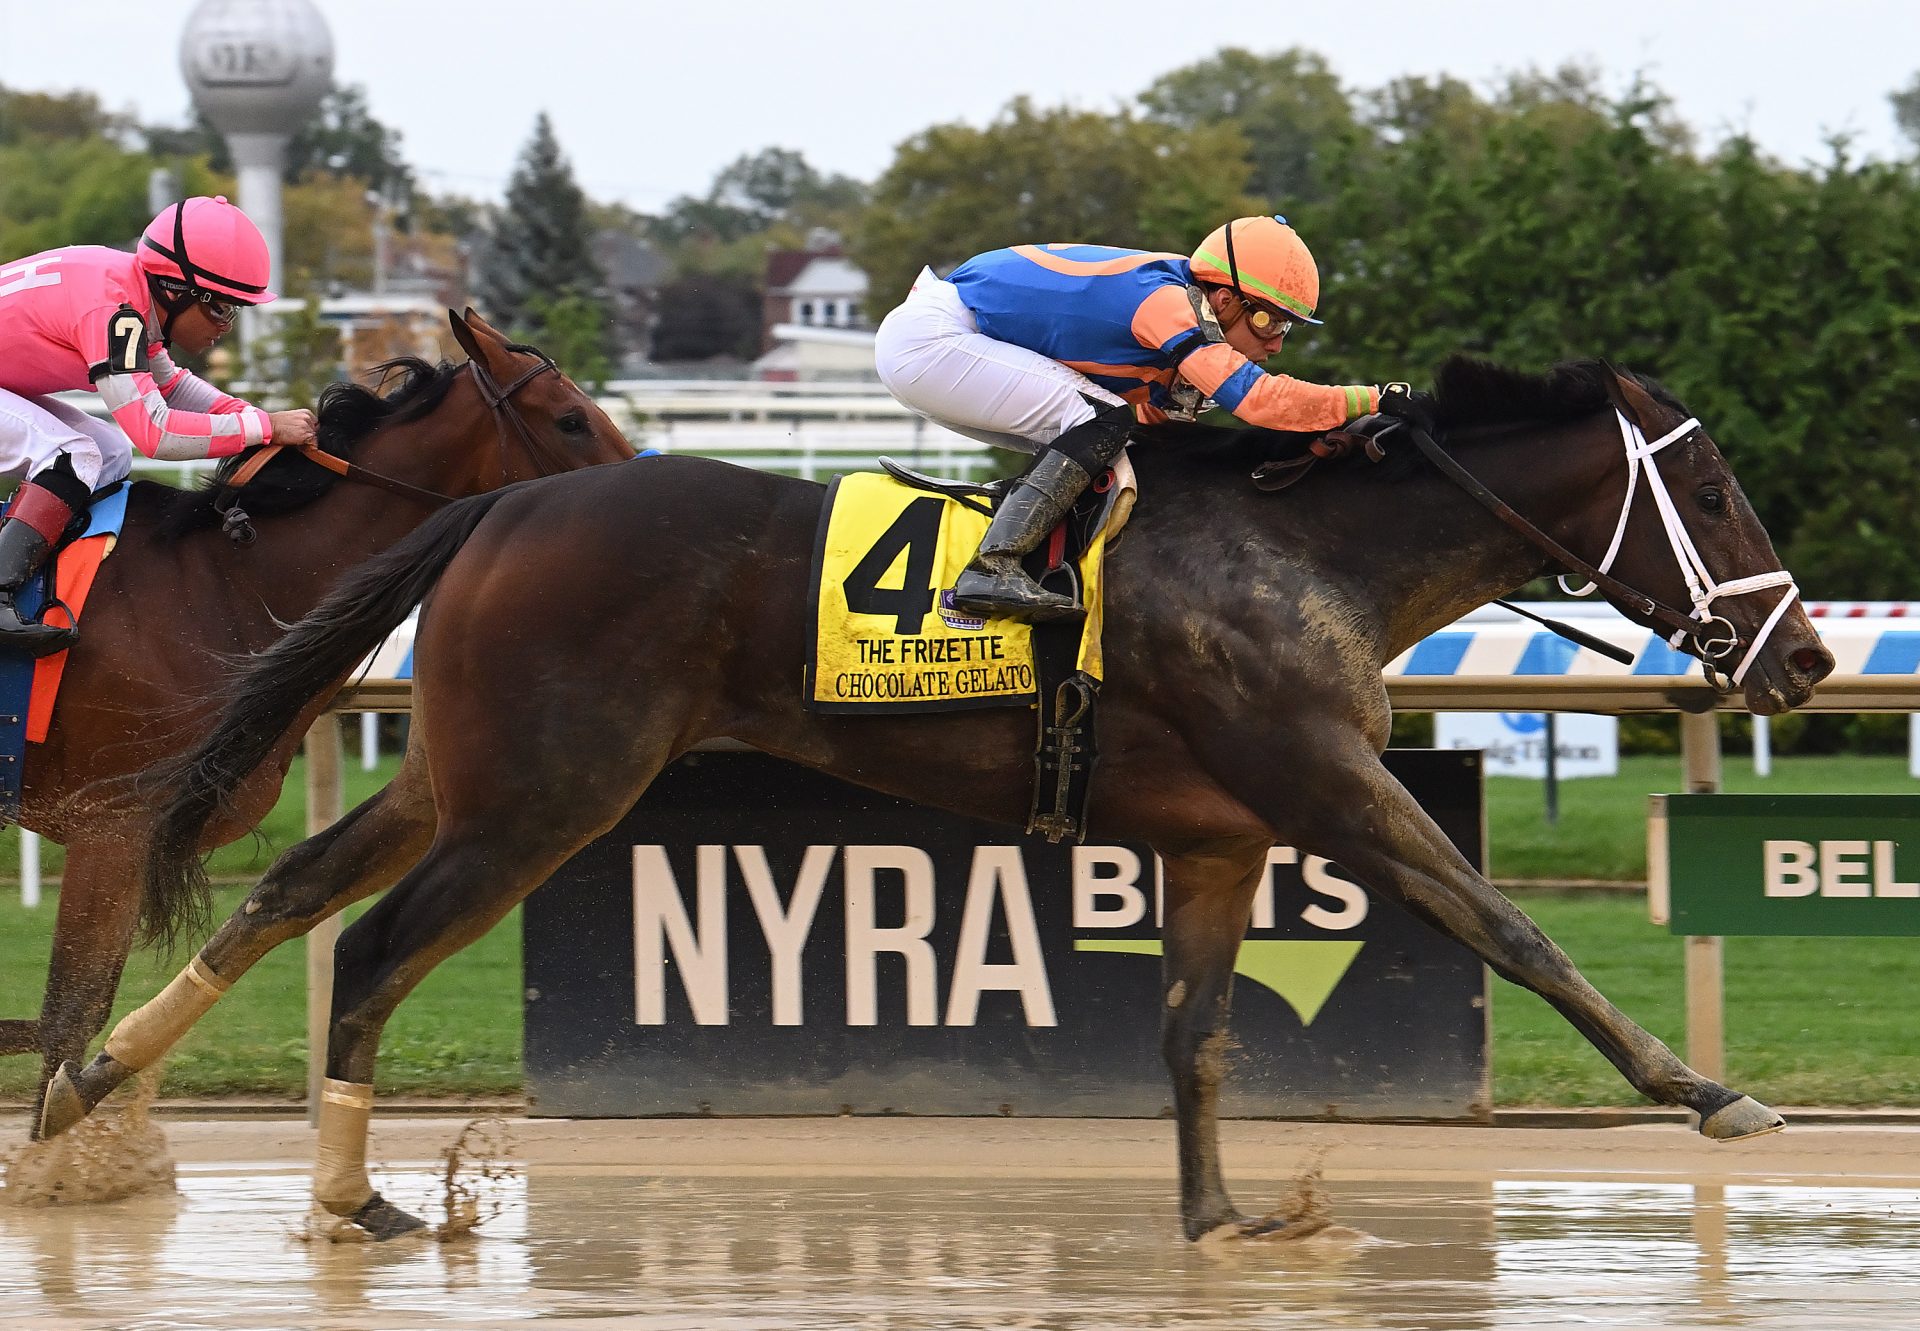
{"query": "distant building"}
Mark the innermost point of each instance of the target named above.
(804, 354)
(634, 272)
(817, 287)
(814, 321)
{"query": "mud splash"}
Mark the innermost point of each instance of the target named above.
(1304, 1210)
(118, 1151)
(475, 1167)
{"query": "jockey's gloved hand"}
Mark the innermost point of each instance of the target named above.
(1404, 403)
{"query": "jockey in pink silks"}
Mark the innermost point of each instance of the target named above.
(90, 317)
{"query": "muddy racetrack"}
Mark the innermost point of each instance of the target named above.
(693, 1225)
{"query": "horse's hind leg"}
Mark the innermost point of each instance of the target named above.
(471, 877)
(1210, 891)
(359, 855)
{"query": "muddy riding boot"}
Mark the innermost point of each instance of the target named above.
(994, 583)
(23, 549)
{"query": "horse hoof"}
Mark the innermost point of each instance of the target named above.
(382, 1220)
(63, 1105)
(1745, 1117)
(1281, 1227)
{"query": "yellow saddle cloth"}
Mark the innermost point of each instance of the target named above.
(886, 637)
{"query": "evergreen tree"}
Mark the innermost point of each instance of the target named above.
(542, 244)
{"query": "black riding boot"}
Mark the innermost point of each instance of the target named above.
(994, 583)
(22, 551)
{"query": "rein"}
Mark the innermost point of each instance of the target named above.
(239, 527)
(1705, 634)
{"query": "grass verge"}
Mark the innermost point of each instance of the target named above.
(1809, 1020)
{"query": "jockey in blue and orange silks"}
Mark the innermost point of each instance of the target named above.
(86, 316)
(1061, 349)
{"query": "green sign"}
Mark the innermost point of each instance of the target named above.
(1838, 865)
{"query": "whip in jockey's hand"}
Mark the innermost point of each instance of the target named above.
(1062, 349)
(90, 317)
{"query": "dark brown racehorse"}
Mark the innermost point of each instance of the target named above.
(1246, 634)
(177, 593)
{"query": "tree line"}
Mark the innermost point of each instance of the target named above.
(1541, 219)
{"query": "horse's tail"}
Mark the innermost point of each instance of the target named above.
(266, 693)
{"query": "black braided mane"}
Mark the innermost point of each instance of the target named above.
(408, 388)
(1471, 393)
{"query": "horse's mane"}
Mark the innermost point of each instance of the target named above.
(1469, 394)
(407, 389)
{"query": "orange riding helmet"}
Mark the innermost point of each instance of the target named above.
(1261, 258)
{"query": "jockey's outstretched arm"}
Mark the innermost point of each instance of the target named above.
(153, 400)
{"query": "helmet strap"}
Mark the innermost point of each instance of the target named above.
(171, 306)
(1233, 266)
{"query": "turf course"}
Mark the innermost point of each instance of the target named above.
(1810, 1021)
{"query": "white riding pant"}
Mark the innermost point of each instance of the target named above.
(34, 431)
(932, 356)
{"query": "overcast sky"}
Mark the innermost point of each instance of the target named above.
(650, 99)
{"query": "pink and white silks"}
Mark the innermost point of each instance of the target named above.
(58, 316)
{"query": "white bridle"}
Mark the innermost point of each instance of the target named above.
(1700, 582)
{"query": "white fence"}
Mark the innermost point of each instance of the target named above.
(812, 430)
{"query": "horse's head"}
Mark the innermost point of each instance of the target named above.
(546, 422)
(1687, 538)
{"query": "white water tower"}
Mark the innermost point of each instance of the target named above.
(258, 70)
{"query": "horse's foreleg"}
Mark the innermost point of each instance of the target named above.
(356, 857)
(92, 934)
(1376, 830)
(18, 1036)
(1210, 890)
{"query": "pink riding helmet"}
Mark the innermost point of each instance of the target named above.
(210, 245)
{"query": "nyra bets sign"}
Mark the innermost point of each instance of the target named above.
(756, 939)
(1846, 865)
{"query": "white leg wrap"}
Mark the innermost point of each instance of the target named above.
(340, 1182)
(148, 1031)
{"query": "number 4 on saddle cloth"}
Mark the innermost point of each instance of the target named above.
(28, 686)
(887, 640)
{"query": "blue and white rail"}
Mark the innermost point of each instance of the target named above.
(1494, 660)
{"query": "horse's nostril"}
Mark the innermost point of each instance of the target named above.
(1813, 663)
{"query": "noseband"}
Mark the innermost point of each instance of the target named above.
(239, 527)
(1704, 634)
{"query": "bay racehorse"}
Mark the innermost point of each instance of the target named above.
(584, 631)
(178, 594)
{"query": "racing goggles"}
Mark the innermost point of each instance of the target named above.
(1263, 320)
(221, 309)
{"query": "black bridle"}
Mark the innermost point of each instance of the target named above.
(500, 401)
(239, 527)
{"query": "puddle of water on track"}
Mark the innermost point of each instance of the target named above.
(593, 1251)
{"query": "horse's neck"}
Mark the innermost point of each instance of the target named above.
(299, 555)
(1394, 560)
(1449, 555)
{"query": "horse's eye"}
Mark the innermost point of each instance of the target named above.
(572, 422)
(1711, 500)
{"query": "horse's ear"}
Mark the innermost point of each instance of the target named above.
(483, 328)
(462, 326)
(1634, 402)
